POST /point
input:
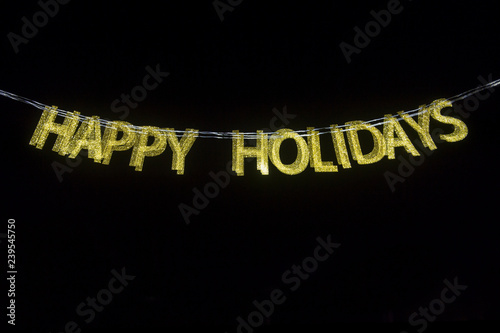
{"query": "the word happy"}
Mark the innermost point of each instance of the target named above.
(121, 136)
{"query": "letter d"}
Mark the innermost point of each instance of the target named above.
(28, 25)
(199, 200)
(361, 40)
(383, 17)
(243, 325)
(405, 169)
(262, 307)
(217, 178)
(51, 7)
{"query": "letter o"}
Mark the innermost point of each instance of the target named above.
(302, 159)
(109, 296)
(370, 32)
(432, 306)
(312, 266)
(475, 103)
(43, 16)
(211, 194)
(254, 314)
(139, 97)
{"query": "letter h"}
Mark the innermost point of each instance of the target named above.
(260, 151)
(64, 131)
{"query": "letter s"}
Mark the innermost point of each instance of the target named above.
(81, 313)
(116, 109)
(287, 280)
(460, 131)
(414, 322)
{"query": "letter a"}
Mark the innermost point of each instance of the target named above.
(221, 8)
(348, 50)
(16, 40)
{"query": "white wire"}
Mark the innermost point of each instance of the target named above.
(249, 135)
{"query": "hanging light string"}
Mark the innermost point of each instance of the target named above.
(250, 135)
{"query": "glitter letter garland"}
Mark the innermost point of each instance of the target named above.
(64, 131)
(71, 139)
(422, 127)
(302, 159)
(141, 148)
(88, 136)
(340, 147)
(315, 153)
(379, 147)
(109, 142)
(180, 149)
(391, 125)
(259, 151)
(460, 131)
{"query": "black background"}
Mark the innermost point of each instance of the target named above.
(397, 247)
